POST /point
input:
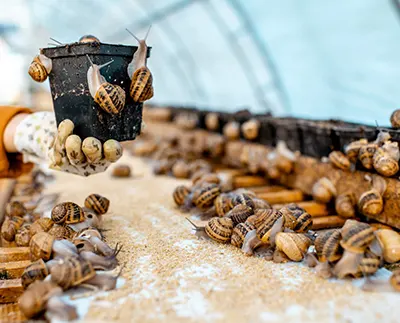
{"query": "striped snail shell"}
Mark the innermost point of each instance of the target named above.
(41, 225)
(219, 229)
(261, 204)
(206, 196)
(40, 68)
(10, 227)
(366, 154)
(73, 271)
(369, 264)
(88, 39)
(243, 199)
(239, 214)
(293, 245)
(339, 160)
(212, 121)
(223, 204)
(272, 220)
(262, 215)
(384, 164)
(356, 236)
(37, 270)
(395, 280)
(23, 236)
(15, 208)
(231, 130)
(41, 246)
(390, 241)
(199, 165)
(395, 119)
(60, 232)
(352, 149)
(250, 129)
(67, 212)
(327, 245)
(345, 205)
(239, 233)
(206, 178)
(97, 203)
(180, 169)
(323, 190)
(110, 97)
(180, 194)
(370, 203)
(296, 218)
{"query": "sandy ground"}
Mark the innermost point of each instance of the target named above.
(171, 276)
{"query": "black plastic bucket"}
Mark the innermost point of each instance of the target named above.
(70, 91)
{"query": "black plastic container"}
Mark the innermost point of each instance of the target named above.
(70, 91)
(316, 137)
(267, 131)
(347, 133)
(287, 130)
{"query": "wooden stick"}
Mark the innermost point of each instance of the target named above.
(266, 189)
(325, 222)
(229, 171)
(248, 181)
(12, 270)
(282, 197)
(11, 313)
(10, 290)
(315, 209)
(14, 254)
(6, 189)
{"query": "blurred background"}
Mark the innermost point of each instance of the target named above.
(309, 58)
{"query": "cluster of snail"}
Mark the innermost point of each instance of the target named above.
(249, 129)
(67, 250)
(109, 97)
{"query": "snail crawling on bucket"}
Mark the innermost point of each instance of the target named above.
(40, 68)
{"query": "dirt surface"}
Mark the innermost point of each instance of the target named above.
(170, 276)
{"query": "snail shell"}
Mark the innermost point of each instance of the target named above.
(345, 205)
(323, 190)
(110, 97)
(296, 218)
(199, 165)
(232, 130)
(369, 264)
(60, 232)
(41, 246)
(142, 85)
(243, 199)
(15, 208)
(23, 236)
(37, 270)
(121, 171)
(41, 225)
(40, 68)
(366, 155)
(223, 204)
(370, 203)
(390, 241)
(261, 204)
(262, 215)
(395, 280)
(327, 245)
(264, 229)
(180, 169)
(180, 194)
(395, 119)
(88, 39)
(206, 196)
(356, 236)
(239, 233)
(250, 129)
(211, 178)
(339, 160)
(97, 203)
(10, 227)
(293, 245)
(212, 121)
(73, 271)
(67, 212)
(219, 229)
(352, 149)
(239, 214)
(384, 163)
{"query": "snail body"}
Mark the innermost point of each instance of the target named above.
(327, 246)
(222, 204)
(345, 205)
(97, 203)
(293, 245)
(239, 233)
(67, 212)
(250, 129)
(390, 241)
(40, 68)
(239, 213)
(352, 149)
(323, 190)
(339, 160)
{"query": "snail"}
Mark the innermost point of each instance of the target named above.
(40, 68)
(352, 149)
(339, 160)
(110, 97)
(61, 232)
(212, 121)
(23, 236)
(97, 203)
(163, 166)
(323, 190)
(250, 129)
(41, 225)
(356, 237)
(222, 204)
(217, 229)
(180, 194)
(68, 213)
(15, 208)
(369, 264)
(261, 204)
(239, 214)
(204, 197)
(88, 39)
(43, 245)
(142, 80)
(366, 154)
(93, 236)
(345, 205)
(37, 270)
(242, 199)
(283, 158)
(293, 245)
(390, 241)
(370, 202)
(121, 171)
(392, 285)
(395, 119)
(386, 159)
(231, 130)
(199, 165)
(262, 216)
(216, 146)
(180, 169)
(327, 246)
(100, 262)
(296, 218)
(239, 233)
(10, 227)
(90, 220)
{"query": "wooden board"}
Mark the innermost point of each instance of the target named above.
(13, 269)
(10, 290)
(14, 254)
(10, 313)
(286, 196)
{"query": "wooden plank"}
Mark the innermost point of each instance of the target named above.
(14, 254)
(266, 189)
(282, 197)
(10, 313)
(248, 181)
(315, 209)
(325, 222)
(14, 269)
(10, 290)
(6, 189)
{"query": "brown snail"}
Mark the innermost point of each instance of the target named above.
(386, 159)
(121, 171)
(296, 218)
(239, 233)
(390, 241)
(23, 236)
(37, 270)
(261, 204)
(91, 219)
(232, 130)
(327, 246)
(222, 204)
(180, 194)
(180, 169)
(10, 227)
(218, 229)
(369, 264)
(370, 203)
(67, 212)
(239, 214)
(250, 129)
(339, 160)
(283, 158)
(41, 225)
(142, 80)
(345, 205)
(206, 195)
(40, 68)
(61, 232)
(97, 203)
(366, 154)
(15, 208)
(353, 149)
(43, 245)
(212, 121)
(88, 39)
(293, 245)
(110, 97)
(323, 190)
(395, 119)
